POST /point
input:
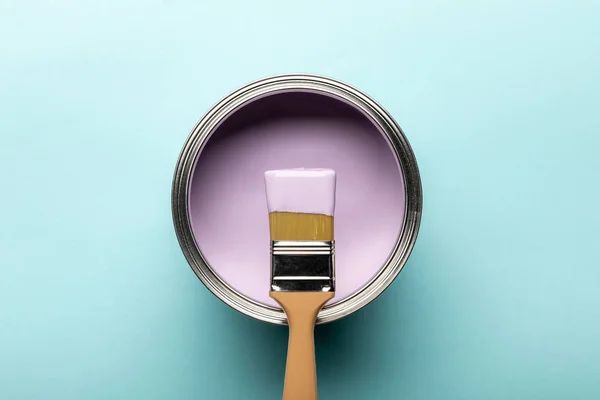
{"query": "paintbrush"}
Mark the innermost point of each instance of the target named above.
(301, 203)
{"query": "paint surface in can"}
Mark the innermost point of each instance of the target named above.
(227, 196)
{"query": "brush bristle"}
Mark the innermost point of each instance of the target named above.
(301, 202)
(300, 226)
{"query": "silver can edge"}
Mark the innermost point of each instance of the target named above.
(201, 133)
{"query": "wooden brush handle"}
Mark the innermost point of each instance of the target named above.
(301, 309)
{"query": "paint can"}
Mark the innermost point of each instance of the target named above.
(265, 125)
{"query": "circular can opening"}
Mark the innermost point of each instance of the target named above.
(221, 215)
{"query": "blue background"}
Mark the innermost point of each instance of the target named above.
(501, 297)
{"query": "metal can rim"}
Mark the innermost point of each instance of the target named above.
(200, 135)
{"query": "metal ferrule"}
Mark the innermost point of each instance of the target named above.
(302, 265)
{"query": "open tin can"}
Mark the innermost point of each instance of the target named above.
(270, 100)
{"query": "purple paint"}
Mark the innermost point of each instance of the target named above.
(301, 190)
(227, 199)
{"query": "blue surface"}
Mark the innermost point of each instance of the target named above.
(501, 298)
